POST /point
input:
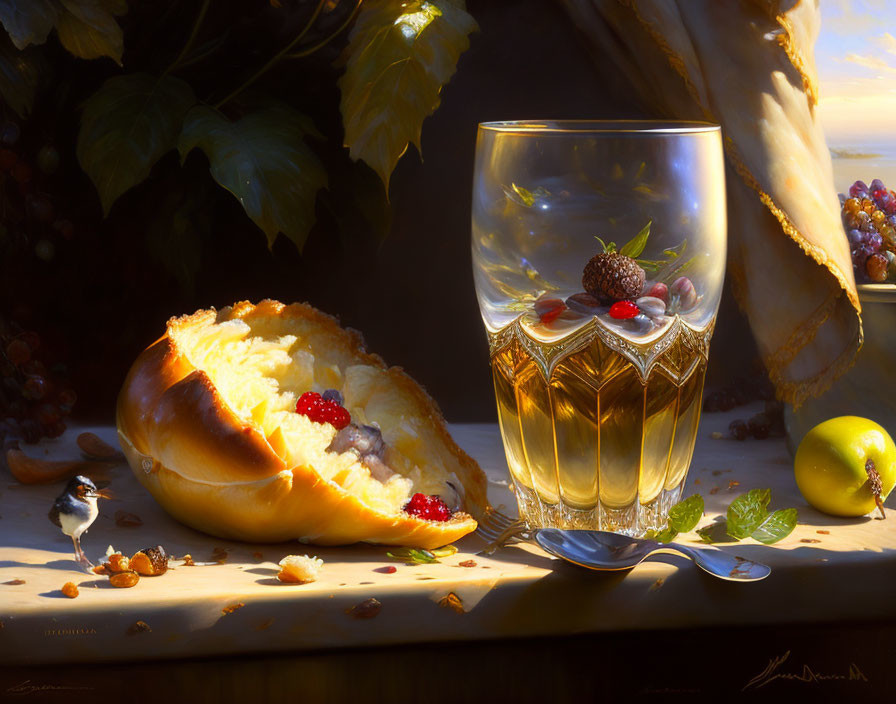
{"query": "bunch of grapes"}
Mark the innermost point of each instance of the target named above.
(33, 399)
(30, 219)
(869, 218)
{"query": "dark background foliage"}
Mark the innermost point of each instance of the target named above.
(399, 271)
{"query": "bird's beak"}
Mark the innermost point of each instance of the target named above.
(103, 494)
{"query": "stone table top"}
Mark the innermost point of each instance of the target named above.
(827, 570)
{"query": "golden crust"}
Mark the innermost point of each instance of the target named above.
(214, 472)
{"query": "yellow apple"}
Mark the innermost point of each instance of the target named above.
(836, 463)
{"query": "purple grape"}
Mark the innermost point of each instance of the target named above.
(855, 238)
(858, 190)
(333, 395)
(873, 240)
(860, 256)
(892, 219)
(9, 133)
(877, 185)
(842, 197)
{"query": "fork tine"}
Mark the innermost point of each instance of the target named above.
(494, 523)
(514, 530)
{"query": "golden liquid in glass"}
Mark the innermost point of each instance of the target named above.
(599, 430)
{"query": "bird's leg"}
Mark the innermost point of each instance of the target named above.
(79, 553)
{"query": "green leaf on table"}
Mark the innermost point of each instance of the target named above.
(416, 556)
(777, 526)
(747, 512)
(127, 125)
(28, 21)
(264, 161)
(399, 55)
(715, 533)
(19, 76)
(683, 518)
(635, 246)
(685, 515)
(666, 535)
(88, 28)
(444, 551)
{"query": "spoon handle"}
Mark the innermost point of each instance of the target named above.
(720, 564)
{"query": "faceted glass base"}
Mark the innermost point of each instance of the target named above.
(599, 431)
(634, 520)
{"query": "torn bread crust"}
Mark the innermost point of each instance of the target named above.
(211, 403)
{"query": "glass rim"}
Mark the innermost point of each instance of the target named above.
(598, 127)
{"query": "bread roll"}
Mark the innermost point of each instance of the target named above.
(207, 421)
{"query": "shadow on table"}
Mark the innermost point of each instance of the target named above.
(67, 565)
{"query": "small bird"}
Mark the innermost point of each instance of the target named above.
(75, 509)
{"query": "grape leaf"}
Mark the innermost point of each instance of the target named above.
(399, 55)
(636, 244)
(177, 212)
(263, 160)
(685, 515)
(128, 124)
(19, 76)
(777, 526)
(88, 29)
(747, 512)
(28, 21)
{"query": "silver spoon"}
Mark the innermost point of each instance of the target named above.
(602, 550)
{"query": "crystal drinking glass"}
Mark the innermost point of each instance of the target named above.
(598, 255)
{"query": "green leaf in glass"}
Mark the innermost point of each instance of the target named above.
(747, 512)
(635, 246)
(399, 55)
(263, 160)
(127, 125)
(777, 526)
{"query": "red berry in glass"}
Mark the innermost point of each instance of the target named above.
(623, 310)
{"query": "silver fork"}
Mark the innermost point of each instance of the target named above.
(497, 528)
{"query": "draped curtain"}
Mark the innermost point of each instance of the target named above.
(748, 65)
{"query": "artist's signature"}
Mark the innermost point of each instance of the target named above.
(807, 674)
(27, 687)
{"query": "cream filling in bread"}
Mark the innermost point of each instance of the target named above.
(260, 373)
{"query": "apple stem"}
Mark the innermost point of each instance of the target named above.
(876, 485)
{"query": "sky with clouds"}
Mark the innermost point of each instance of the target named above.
(856, 58)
